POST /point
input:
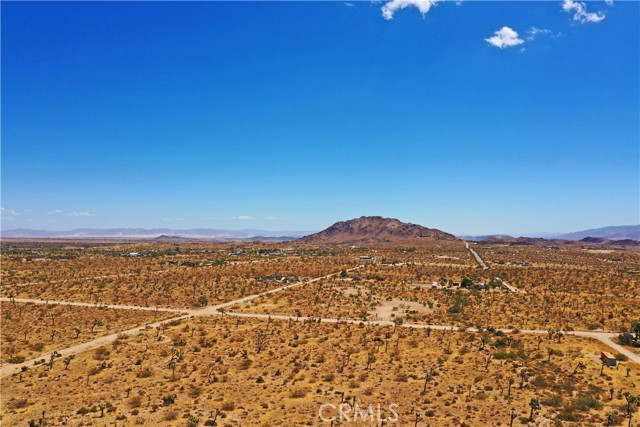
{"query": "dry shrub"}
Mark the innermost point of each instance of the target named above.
(171, 416)
(228, 406)
(135, 402)
(298, 393)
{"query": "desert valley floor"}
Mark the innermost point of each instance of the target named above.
(447, 333)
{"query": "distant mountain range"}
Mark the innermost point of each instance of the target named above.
(619, 232)
(375, 229)
(486, 237)
(161, 234)
(364, 229)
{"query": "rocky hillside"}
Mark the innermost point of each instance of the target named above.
(375, 229)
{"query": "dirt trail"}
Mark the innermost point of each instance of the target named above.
(9, 369)
(88, 304)
(604, 337)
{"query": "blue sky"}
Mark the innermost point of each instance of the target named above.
(294, 115)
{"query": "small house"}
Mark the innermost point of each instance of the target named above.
(608, 358)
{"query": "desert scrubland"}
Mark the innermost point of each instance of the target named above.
(422, 332)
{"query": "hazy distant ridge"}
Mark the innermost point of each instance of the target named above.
(619, 232)
(151, 233)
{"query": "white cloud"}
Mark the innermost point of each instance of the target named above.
(504, 37)
(242, 217)
(54, 212)
(9, 212)
(349, 4)
(81, 214)
(609, 2)
(390, 8)
(580, 11)
(271, 218)
(535, 31)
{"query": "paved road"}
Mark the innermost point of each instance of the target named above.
(9, 369)
(475, 254)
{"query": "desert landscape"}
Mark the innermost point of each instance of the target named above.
(412, 213)
(370, 322)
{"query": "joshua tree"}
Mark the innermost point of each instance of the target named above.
(484, 341)
(23, 369)
(261, 338)
(397, 322)
(534, 404)
(96, 322)
(52, 358)
(513, 417)
(53, 318)
(428, 377)
(611, 419)
(173, 364)
(550, 352)
(635, 329)
(343, 364)
(371, 358)
(102, 407)
(511, 381)
(214, 416)
(203, 300)
(487, 360)
(67, 360)
(523, 377)
(632, 404)
(580, 366)
(78, 331)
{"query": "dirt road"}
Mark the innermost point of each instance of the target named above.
(604, 337)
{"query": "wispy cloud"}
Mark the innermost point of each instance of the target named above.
(8, 212)
(504, 37)
(271, 218)
(81, 214)
(580, 13)
(533, 33)
(390, 8)
(55, 212)
(242, 217)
